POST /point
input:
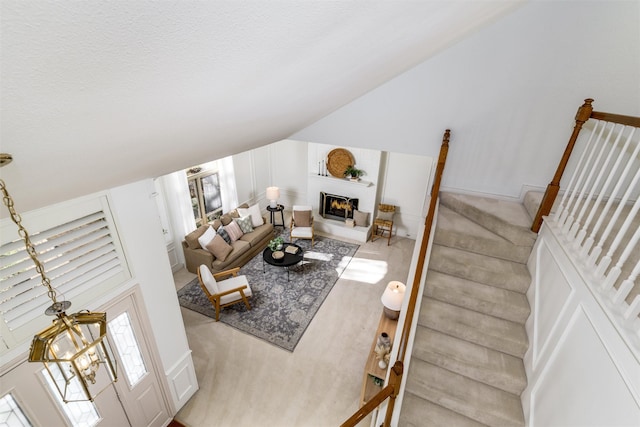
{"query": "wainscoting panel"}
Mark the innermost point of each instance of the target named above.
(579, 369)
(552, 288)
(182, 377)
(580, 361)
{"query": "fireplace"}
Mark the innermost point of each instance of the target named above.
(337, 207)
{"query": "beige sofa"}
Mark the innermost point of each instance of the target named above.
(245, 248)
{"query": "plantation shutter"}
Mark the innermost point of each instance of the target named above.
(81, 256)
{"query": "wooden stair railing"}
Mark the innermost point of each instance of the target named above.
(585, 112)
(392, 389)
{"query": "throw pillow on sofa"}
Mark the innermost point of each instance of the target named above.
(219, 248)
(234, 230)
(192, 238)
(245, 224)
(225, 219)
(254, 212)
(207, 237)
(223, 233)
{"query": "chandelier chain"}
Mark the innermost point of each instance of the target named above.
(30, 248)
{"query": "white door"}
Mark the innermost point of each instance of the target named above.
(138, 377)
(135, 400)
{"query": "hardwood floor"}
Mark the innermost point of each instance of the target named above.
(245, 381)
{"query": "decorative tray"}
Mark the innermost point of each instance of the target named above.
(337, 161)
(278, 255)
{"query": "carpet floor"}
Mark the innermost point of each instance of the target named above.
(283, 305)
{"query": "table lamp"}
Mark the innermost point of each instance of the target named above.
(273, 193)
(392, 299)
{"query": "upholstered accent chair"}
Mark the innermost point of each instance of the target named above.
(384, 222)
(223, 293)
(302, 223)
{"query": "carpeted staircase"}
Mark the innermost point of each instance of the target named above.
(466, 367)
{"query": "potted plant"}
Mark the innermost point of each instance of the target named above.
(353, 173)
(276, 243)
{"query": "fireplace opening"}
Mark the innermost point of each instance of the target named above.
(337, 207)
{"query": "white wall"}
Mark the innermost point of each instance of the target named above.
(288, 169)
(139, 227)
(509, 94)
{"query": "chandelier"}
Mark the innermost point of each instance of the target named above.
(74, 347)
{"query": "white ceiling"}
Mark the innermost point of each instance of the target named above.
(97, 94)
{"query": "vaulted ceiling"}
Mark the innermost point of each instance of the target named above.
(97, 94)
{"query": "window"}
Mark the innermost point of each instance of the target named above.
(206, 200)
(127, 347)
(10, 413)
(80, 414)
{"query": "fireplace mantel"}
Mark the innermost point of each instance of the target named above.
(342, 180)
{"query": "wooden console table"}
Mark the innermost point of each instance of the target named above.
(371, 369)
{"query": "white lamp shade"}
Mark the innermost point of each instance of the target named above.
(393, 295)
(273, 194)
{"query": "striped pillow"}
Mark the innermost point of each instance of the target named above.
(234, 231)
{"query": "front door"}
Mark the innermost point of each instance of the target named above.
(28, 397)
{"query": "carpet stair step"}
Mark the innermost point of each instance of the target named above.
(479, 363)
(507, 219)
(488, 270)
(497, 302)
(456, 231)
(472, 399)
(418, 412)
(488, 331)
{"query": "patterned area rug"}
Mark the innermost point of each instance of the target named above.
(281, 310)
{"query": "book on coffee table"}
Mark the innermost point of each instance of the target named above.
(291, 250)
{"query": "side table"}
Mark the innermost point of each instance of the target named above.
(278, 208)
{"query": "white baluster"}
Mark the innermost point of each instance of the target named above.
(562, 210)
(593, 257)
(589, 181)
(581, 183)
(608, 182)
(633, 311)
(586, 247)
(613, 220)
(623, 291)
(627, 285)
(598, 178)
(613, 275)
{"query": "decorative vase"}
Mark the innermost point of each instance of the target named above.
(382, 364)
(384, 340)
(279, 247)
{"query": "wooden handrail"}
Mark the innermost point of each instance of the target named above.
(388, 391)
(585, 112)
(616, 118)
(428, 222)
(395, 378)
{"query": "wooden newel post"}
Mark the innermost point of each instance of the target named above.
(583, 114)
(395, 379)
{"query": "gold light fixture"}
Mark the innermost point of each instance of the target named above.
(74, 347)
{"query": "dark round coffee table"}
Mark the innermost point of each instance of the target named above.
(287, 261)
